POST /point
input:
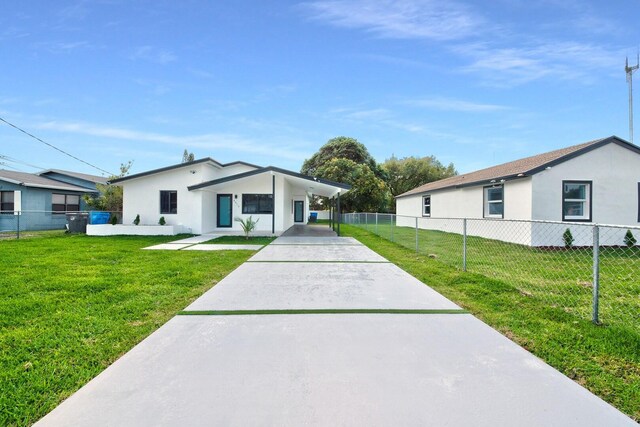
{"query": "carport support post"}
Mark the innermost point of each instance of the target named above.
(596, 273)
(464, 244)
(339, 214)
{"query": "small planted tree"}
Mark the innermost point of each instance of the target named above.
(136, 221)
(568, 239)
(629, 239)
(162, 221)
(114, 219)
(247, 224)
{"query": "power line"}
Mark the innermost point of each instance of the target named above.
(20, 162)
(54, 147)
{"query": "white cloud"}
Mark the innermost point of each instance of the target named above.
(207, 141)
(153, 54)
(511, 66)
(400, 19)
(451, 104)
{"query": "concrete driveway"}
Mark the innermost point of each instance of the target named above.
(323, 331)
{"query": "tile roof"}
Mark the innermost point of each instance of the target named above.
(33, 180)
(522, 167)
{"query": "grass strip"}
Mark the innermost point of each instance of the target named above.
(320, 311)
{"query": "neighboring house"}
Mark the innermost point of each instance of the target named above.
(41, 199)
(74, 178)
(206, 196)
(593, 182)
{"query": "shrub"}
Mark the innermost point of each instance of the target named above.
(114, 219)
(162, 221)
(137, 220)
(629, 239)
(248, 225)
(568, 239)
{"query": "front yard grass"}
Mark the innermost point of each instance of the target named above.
(70, 305)
(604, 359)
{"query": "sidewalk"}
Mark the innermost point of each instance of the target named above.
(323, 331)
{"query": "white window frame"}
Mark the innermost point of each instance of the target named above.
(488, 202)
(424, 204)
(586, 209)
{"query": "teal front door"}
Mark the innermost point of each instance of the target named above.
(225, 211)
(298, 211)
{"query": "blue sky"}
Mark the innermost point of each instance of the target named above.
(269, 82)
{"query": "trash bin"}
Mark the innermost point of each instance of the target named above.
(97, 217)
(77, 222)
(313, 217)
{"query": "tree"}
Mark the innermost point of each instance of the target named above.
(341, 147)
(410, 172)
(187, 156)
(110, 196)
(368, 192)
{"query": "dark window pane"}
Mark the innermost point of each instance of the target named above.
(6, 202)
(494, 194)
(574, 208)
(575, 191)
(257, 203)
(168, 202)
(495, 208)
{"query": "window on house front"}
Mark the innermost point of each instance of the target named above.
(494, 202)
(257, 203)
(168, 202)
(426, 205)
(61, 203)
(6, 202)
(576, 201)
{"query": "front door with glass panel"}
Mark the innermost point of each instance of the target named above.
(225, 211)
(298, 211)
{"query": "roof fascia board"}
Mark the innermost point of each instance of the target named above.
(498, 180)
(268, 169)
(165, 169)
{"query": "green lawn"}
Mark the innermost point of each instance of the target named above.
(71, 304)
(605, 359)
(561, 278)
(241, 240)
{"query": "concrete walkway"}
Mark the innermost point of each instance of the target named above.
(324, 332)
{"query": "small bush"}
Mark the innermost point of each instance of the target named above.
(162, 221)
(568, 239)
(137, 220)
(114, 219)
(629, 239)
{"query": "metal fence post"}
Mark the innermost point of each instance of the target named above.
(376, 222)
(464, 244)
(18, 228)
(417, 251)
(596, 273)
(366, 221)
(391, 222)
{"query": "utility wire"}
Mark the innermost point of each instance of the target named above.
(54, 147)
(20, 162)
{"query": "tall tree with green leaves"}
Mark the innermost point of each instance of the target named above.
(346, 160)
(410, 172)
(341, 147)
(109, 198)
(187, 156)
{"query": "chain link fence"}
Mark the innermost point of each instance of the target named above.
(14, 225)
(591, 271)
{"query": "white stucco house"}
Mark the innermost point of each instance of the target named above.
(206, 196)
(594, 182)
